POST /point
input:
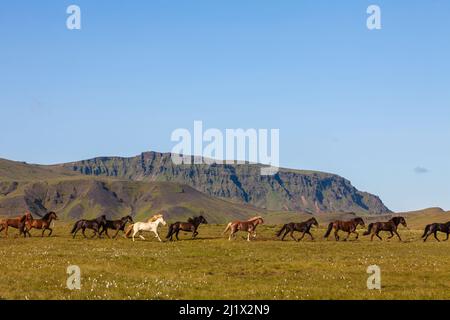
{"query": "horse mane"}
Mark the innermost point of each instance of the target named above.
(254, 218)
(397, 220)
(47, 215)
(192, 220)
(155, 217)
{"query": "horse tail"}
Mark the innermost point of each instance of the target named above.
(281, 230)
(369, 230)
(330, 227)
(74, 227)
(227, 228)
(170, 232)
(427, 228)
(129, 230)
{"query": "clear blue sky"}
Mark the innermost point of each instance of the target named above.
(372, 106)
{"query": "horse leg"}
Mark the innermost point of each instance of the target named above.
(248, 235)
(292, 235)
(302, 236)
(308, 232)
(83, 231)
(51, 231)
(336, 236)
(447, 236)
(157, 236)
(176, 234)
(425, 239)
(75, 232)
(357, 235)
(377, 234)
(435, 236)
(348, 235)
(106, 232)
(117, 233)
(392, 234)
(95, 233)
(398, 235)
(141, 236)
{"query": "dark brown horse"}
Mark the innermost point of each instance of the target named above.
(17, 223)
(118, 225)
(300, 227)
(190, 226)
(249, 226)
(434, 228)
(41, 224)
(94, 224)
(390, 226)
(346, 226)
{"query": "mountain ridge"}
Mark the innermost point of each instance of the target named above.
(288, 190)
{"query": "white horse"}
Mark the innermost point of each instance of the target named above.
(151, 225)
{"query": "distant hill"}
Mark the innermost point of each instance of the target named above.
(289, 190)
(74, 196)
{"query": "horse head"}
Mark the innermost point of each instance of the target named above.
(359, 221)
(399, 220)
(128, 219)
(314, 222)
(26, 217)
(50, 216)
(202, 219)
(161, 220)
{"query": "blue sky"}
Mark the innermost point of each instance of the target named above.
(372, 106)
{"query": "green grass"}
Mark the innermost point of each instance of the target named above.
(211, 267)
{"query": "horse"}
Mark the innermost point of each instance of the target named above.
(300, 227)
(346, 226)
(434, 228)
(390, 226)
(17, 223)
(94, 224)
(41, 224)
(118, 225)
(249, 226)
(190, 226)
(152, 225)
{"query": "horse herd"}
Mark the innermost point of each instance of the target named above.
(101, 226)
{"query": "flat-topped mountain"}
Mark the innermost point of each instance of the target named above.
(289, 190)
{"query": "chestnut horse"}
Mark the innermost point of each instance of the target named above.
(41, 224)
(17, 223)
(346, 226)
(390, 226)
(249, 226)
(434, 228)
(301, 227)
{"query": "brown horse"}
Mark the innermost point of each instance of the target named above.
(434, 228)
(346, 226)
(304, 227)
(249, 226)
(17, 223)
(190, 226)
(390, 226)
(41, 224)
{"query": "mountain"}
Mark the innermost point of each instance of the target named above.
(288, 190)
(74, 196)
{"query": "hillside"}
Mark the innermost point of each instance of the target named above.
(74, 196)
(289, 190)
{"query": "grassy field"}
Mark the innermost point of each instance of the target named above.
(211, 267)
